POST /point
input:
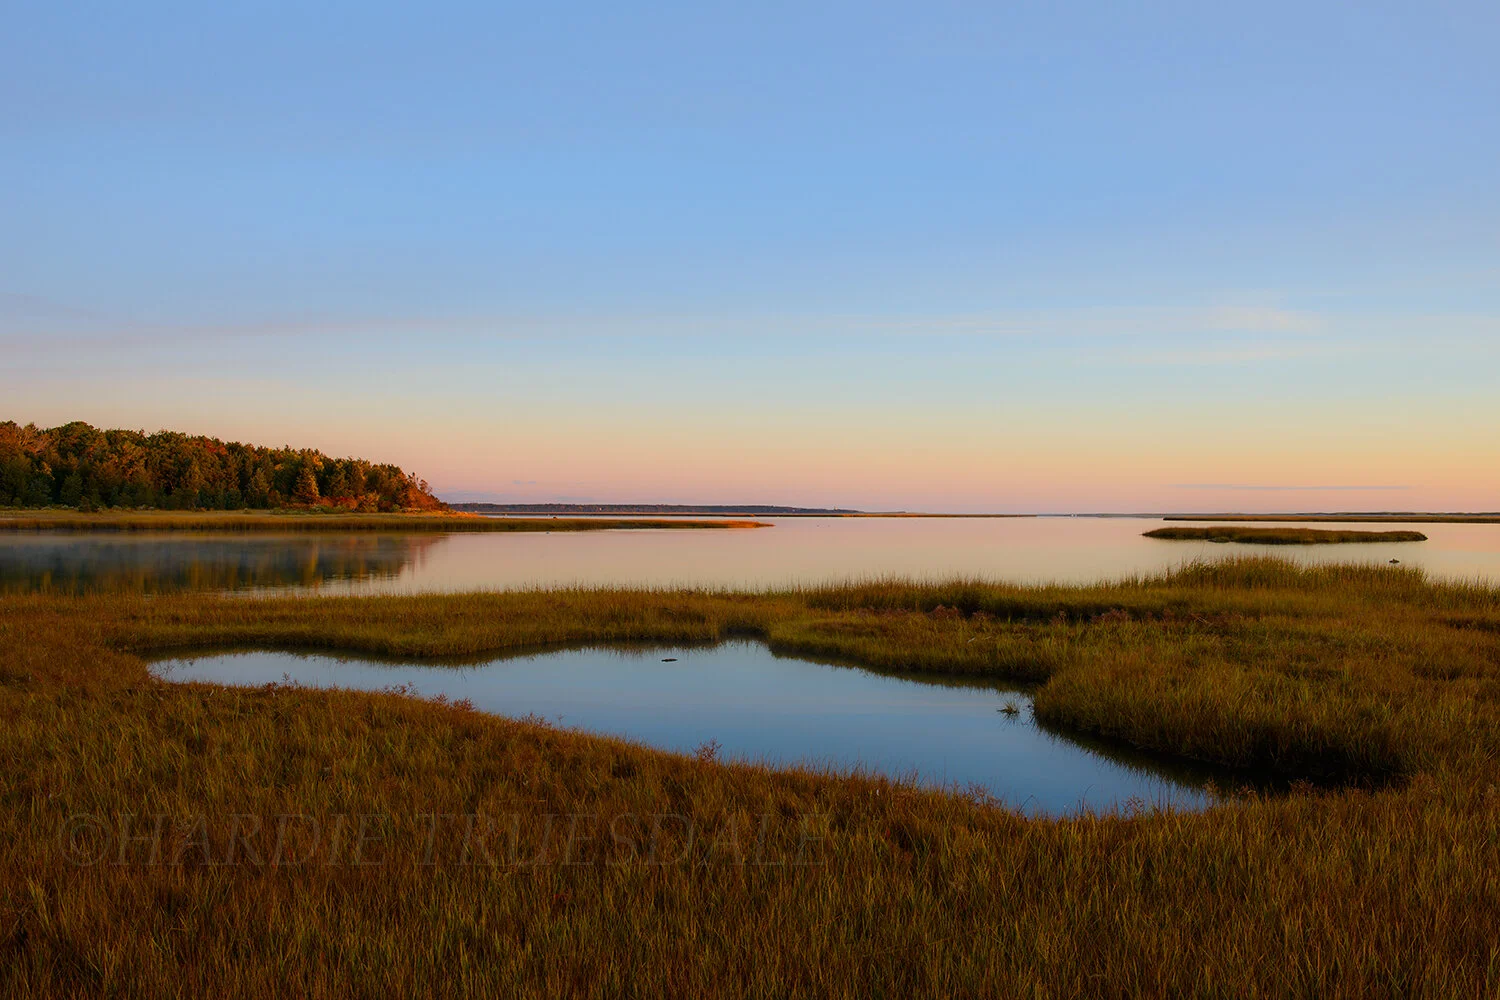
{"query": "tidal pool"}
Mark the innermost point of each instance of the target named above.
(760, 707)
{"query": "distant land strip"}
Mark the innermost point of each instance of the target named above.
(1372, 518)
(668, 509)
(299, 522)
(1283, 536)
(688, 510)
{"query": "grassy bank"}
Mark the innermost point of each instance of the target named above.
(792, 882)
(1283, 536)
(51, 520)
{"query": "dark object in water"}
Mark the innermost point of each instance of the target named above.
(669, 659)
(1395, 561)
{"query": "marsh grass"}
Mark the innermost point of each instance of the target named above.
(1283, 536)
(1387, 884)
(283, 521)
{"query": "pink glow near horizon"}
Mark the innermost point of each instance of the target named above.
(936, 433)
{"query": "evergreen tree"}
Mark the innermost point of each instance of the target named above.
(72, 490)
(39, 492)
(306, 490)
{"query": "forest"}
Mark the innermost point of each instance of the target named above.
(81, 466)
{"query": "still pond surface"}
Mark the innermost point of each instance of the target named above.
(761, 707)
(794, 551)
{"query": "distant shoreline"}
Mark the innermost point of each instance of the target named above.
(662, 509)
(691, 510)
(590, 517)
(1282, 536)
(771, 510)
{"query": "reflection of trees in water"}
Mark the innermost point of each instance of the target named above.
(159, 564)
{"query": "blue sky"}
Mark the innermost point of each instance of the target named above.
(1051, 256)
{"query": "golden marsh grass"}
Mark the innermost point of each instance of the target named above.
(1385, 884)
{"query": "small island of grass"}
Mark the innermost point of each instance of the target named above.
(1282, 536)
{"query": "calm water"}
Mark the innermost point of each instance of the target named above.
(765, 708)
(167, 561)
(795, 550)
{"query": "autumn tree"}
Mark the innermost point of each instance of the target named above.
(77, 464)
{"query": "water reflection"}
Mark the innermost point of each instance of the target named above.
(761, 707)
(162, 563)
(794, 551)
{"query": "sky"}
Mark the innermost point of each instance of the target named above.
(930, 256)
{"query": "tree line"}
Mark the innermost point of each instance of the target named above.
(78, 465)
